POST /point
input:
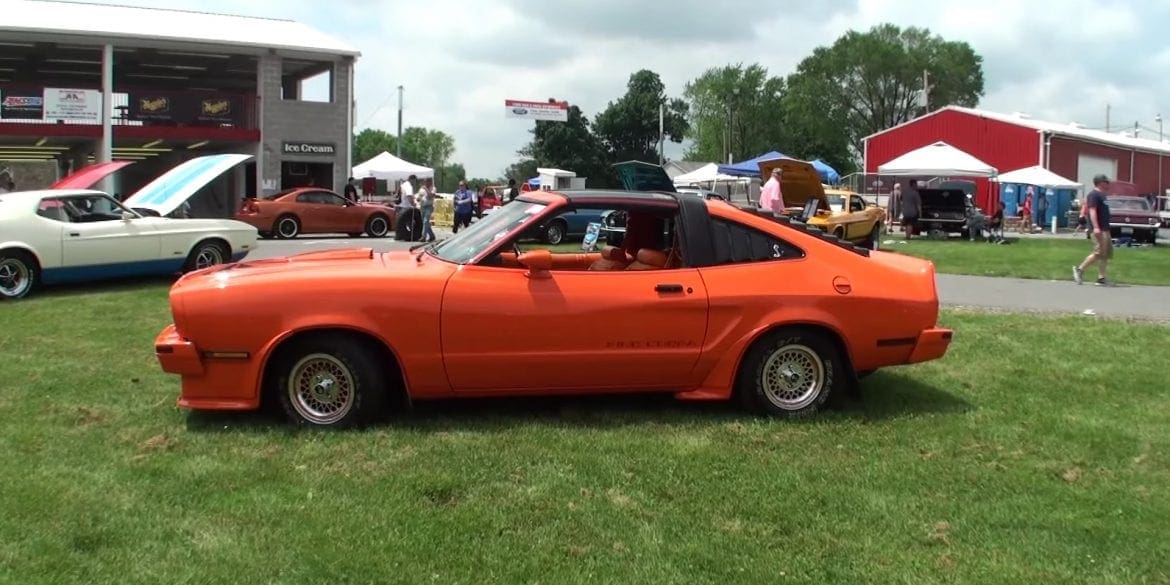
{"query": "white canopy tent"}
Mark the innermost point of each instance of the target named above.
(1038, 176)
(388, 167)
(938, 159)
(705, 174)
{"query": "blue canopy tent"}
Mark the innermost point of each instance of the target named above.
(534, 182)
(828, 174)
(750, 167)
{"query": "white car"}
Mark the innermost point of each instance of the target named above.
(79, 235)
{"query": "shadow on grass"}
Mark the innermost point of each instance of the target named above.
(104, 286)
(884, 396)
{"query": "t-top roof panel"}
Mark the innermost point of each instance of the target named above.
(133, 22)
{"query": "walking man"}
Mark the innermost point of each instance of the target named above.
(464, 201)
(911, 209)
(1098, 226)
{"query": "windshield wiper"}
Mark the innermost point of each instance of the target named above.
(425, 244)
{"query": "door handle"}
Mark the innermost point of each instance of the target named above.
(669, 288)
(75, 234)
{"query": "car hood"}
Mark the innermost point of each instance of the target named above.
(91, 175)
(800, 182)
(641, 176)
(173, 188)
(201, 224)
(327, 267)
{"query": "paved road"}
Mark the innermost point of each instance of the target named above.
(1014, 294)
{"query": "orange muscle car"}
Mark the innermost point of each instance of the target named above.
(703, 300)
(312, 210)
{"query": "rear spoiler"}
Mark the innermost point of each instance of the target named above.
(813, 231)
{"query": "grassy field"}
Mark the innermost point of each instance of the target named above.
(1037, 258)
(1036, 452)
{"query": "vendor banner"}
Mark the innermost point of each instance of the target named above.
(186, 108)
(22, 104)
(551, 111)
(81, 105)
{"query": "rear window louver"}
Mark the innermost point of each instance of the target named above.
(816, 232)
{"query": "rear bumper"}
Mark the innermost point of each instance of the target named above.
(177, 355)
(932, 344)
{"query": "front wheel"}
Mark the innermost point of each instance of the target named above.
(287, 227)
(330, 381)
(791, 373)
(17, 275)
(875, 237)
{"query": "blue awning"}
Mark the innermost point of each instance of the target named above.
(828, 174)
(750, 167)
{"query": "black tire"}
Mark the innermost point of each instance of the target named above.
(555, 232)
(378, 226)
(839, 234)
(286, 227)
(792, 347)
(206, 254)
(875, 237)
(19, 274)
(342, 382)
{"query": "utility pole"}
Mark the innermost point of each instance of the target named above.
(1135, 129)
(1107, 110)
(399, 121)
(925, 91)
(661, 134)
(1158, 119)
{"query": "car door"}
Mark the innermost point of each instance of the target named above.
(313, 212)
(856, 227)
(503, 329)
(342, 215)
(117, 247)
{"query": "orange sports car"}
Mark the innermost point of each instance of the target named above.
(312, 210)
(703, 300)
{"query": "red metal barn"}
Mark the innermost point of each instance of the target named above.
(1009, 142)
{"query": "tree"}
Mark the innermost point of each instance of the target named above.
(447, 177)
(866, 82)
(521, 170)
(422, 146)
(628, 128)
(569, 145)
(736, 110)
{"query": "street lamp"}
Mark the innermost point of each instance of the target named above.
(731, 124)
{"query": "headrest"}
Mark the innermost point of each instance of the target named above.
(615, 254)
(654, 258)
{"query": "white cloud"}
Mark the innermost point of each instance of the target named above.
(459, 59)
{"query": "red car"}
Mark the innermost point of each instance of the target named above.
(311, 210)
(1133, 217)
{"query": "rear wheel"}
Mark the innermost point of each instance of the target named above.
(875, 237)
(378, 226)
(791, 373)
(554, 233)
(18, 274)
(207, 254)
(330, 381)
(287, 227)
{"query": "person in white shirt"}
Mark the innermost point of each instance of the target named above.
(771, 198)
(407, 189)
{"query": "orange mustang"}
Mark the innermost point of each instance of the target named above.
(703, 300)
(312, 210)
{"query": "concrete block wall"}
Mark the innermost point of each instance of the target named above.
(294, 120)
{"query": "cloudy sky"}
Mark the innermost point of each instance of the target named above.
(1061, 60)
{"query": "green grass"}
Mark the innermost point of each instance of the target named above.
(1036, 258)
(1036, 452)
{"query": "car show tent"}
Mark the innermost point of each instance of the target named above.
(388, 167)
(751, 167)
(1039, 177)
(706, 174)
(940, 160)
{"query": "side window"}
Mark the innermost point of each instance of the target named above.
(54, 209)
(332, 199)
(856, 203)
(306, 198)
(735, 243)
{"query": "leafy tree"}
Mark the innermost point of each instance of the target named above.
(869, 81)
(744, 100)
(629, 127)
(567, 145)
(521, 170)
(447, 177)
(423, 146)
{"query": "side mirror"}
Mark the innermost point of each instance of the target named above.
(538, 263)
(128, 215)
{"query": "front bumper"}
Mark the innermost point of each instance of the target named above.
(177, 355)
(932, 344)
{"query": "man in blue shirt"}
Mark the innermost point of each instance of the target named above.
(464, 206)
(1097, 218)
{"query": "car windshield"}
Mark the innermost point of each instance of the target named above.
(836, 202)
(481, 235)
(1129, 203)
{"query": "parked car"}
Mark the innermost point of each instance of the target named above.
(852, 219)
(947, 211)
(703, 301)
(1132, 217)
(1163, 204)
(66, 234)
(312, 210)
